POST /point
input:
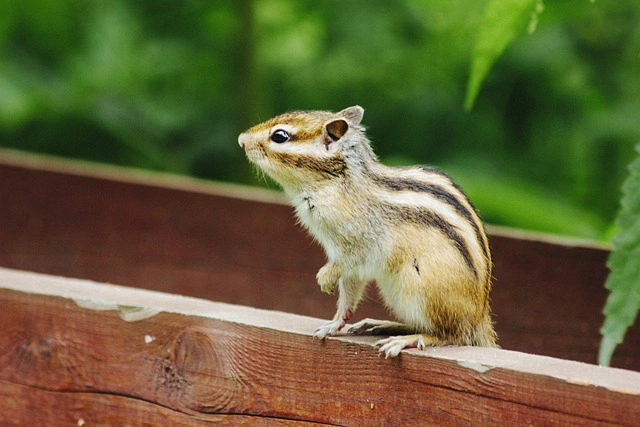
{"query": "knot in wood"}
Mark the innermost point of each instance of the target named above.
(200, 358)
(169, 377)
(194, 353)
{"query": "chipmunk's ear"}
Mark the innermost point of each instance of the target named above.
(353, 114)
(335, 130)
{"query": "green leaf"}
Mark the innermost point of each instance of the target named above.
(623, 302)
(500, 24)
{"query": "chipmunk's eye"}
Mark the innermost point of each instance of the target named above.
(280, 136)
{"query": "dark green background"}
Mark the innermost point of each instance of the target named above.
(168, 85)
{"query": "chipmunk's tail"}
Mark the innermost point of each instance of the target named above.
(484, 335)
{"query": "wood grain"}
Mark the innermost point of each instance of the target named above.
(233, 244)
(26, 405)
(72, 349)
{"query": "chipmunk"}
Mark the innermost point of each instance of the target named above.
(410, 229)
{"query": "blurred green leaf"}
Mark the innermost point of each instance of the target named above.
(501, 22)
(623, 282)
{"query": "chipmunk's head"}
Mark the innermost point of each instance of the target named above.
(307, 146)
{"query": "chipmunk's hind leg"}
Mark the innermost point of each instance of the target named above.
(403, 336)
(392, 346)
(380, 327)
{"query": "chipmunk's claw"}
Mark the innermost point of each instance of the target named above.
(392, 346)
(332, 327)
(329, 329)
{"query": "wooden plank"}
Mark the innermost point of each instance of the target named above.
(232, 244)
(27, 405)
(189, 359)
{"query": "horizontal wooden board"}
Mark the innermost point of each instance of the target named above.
(233, 244)
(77, 351)
(28, 405)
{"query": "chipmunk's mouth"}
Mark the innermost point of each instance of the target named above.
(255, 154)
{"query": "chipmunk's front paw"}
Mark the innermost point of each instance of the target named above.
(327, 278)
(328, 329)
(332, 327)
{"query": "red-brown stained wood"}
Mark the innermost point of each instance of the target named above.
(230, 244)
(77, 350)
(30, 406)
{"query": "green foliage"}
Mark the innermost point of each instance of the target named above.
(169, 85)
(500, 24)
(623, 283)
(502, 19)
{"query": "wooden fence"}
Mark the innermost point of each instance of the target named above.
(78, 352)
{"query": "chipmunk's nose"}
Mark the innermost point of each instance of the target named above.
(243, 140)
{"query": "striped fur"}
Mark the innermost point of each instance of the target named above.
(412, 230)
